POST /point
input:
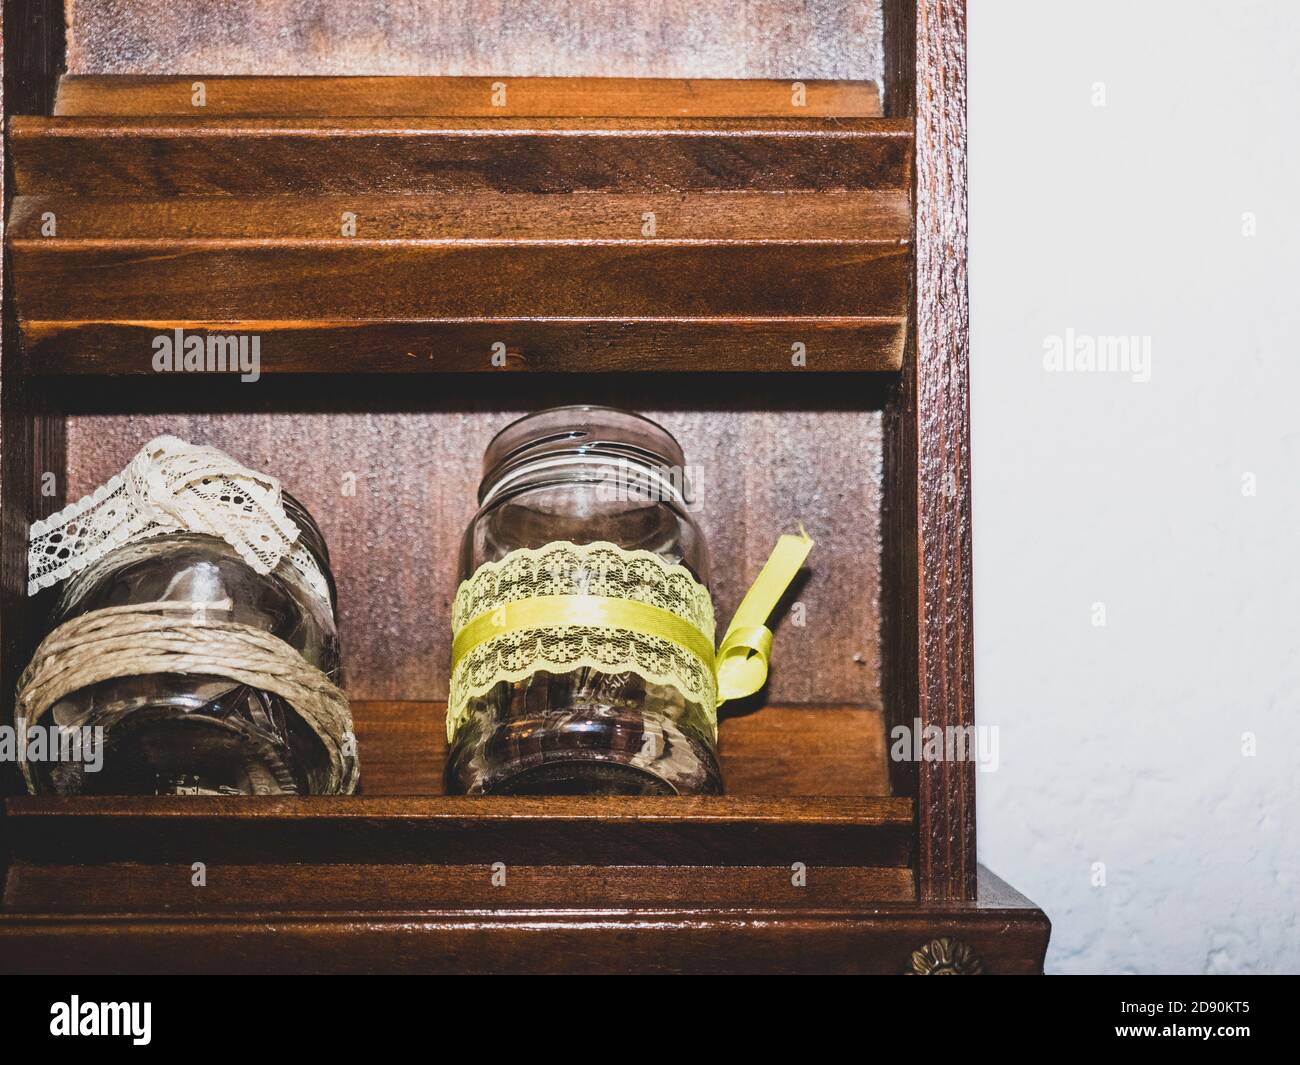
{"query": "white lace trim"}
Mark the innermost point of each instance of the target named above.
(305, 563)
(172, 486)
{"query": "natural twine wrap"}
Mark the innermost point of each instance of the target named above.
(186, 637)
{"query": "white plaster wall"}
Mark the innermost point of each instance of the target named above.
(1122, 743)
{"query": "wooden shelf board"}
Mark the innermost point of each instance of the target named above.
(729, 281)
(797, 216)
(534, 345)
(133, 887)
(867, 936)
(399, 281)
(836, 752)
(463, 96)
(456, 830)
(268, 156)
(768, 758)
(104, 855)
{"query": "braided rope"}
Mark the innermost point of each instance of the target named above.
(185, 637)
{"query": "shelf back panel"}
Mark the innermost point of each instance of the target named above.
(539, 38)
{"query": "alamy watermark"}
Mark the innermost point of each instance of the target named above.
(1087, 353)
(951, 743)
(52, 743)
(74, 1017)
(635, 482)
(240, 353)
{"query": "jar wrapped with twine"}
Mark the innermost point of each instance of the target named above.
(194, 648)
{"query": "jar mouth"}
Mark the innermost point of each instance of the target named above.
(578, 434)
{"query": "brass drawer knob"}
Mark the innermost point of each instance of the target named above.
(945, 957)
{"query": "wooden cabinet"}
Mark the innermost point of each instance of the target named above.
(761, 244)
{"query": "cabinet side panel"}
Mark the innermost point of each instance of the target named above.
(927, 538)
(31, 439)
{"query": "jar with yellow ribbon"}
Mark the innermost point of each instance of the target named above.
(583, 637)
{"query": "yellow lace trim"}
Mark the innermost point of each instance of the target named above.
(600, 571)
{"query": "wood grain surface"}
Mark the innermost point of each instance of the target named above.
(488, 255)
(493, 96)
(132, 887)
(456, 830)
(269, 156)
(794, 216)
(727, 280)
(305, 279)
(1008, 932)
(761, 345)
(665, 39)
(774, 751)
(927, 531)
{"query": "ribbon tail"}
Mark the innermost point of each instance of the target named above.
(742, 659)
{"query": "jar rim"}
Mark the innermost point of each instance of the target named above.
(578, 429)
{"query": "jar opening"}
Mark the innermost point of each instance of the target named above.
(641, 451)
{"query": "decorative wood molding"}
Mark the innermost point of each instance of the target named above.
(31, 437)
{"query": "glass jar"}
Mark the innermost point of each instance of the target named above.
(172, 733)
(580, 501)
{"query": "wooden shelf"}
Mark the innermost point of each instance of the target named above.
(606, 924)
(458, 830)
(131, 156)
(132, 887)
(566, 282)
(583, 220)
(527, 231)
(776, 752)
(484, 97)
(533, 345)
(805, 785)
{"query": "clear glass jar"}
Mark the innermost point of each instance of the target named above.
(170, 733)
(584, 475)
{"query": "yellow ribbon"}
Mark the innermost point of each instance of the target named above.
(741, 664)
(599, 611)
(741, 661)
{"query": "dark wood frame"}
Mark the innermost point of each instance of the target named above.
(31, 439)
(929, 657)
(927, 634)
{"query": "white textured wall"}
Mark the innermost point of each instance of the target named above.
(1122, 744)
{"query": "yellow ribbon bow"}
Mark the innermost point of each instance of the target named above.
(742, 659)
